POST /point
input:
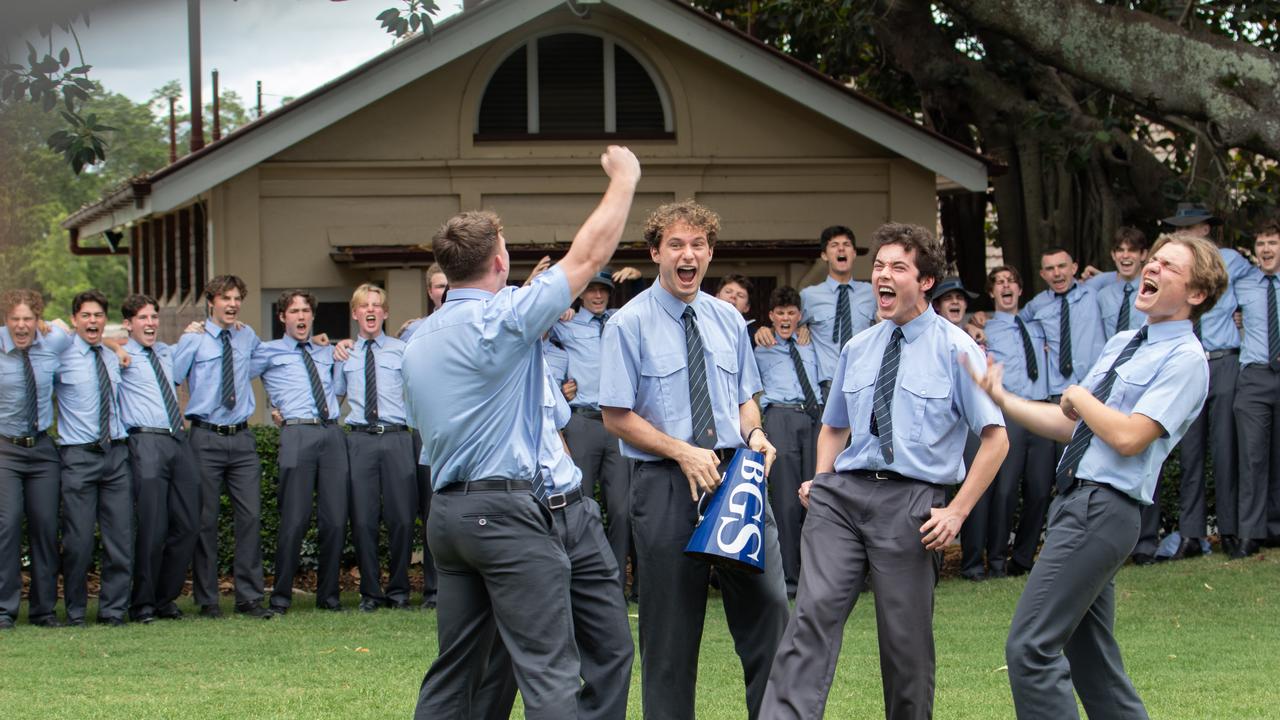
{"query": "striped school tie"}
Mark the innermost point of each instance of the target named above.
(882, 410)
(317, 389)
(704, 431)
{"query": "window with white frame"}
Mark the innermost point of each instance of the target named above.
(573, 85)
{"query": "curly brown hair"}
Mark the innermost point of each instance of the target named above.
(929, 259)
(690, 212)
(11, 299)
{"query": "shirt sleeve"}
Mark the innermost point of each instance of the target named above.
(536, 307)
(975, 405)
(749, 375)
(619, 365)
(1177, 391)
(183, 356)
(58, 340)
(340, 377)
(258, 360)
(836, 413)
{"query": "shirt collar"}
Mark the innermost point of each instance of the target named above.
(1168, 330)
(379, 340)
(1007, 317)
(920, 323)
(585, 316)
(133, 347)
(833, 285)
(81, 346)
(672, 304)
(214, 329)
(467, 294)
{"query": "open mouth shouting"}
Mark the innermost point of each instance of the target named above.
(886, 299)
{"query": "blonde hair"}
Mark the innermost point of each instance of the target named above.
(1208, 272)
(358, 296)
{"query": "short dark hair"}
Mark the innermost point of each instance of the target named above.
(1131, 236)
(11, 299)
(991, 276)
(134, 303)
(221, 284)
(94, 295)
(929, 260)
(1054, 250)
(286, 299)
(833, 232)
(693, 214)
(1268, 226)
(784, 296)
(464, 244)
(740, 280)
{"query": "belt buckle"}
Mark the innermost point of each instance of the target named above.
(378, 429)
(557, 501)
(25, 442)
(881, 475)
(225, 430)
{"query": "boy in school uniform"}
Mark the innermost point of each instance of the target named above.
(1119, 425)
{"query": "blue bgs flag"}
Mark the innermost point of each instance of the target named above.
(730, 530)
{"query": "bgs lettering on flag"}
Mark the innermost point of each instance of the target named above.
(730, 528)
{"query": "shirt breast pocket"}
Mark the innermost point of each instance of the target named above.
(930, 412)
(663, 391)
(726, 374)
(209, 358)
(859, 392)
(389, 362)
(1132, 380)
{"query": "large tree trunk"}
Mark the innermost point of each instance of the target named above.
(1169, 71)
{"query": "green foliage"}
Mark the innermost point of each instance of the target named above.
(267, 438)
(415, 17)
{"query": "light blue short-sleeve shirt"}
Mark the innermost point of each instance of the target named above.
(580, 337)
(778, 373)
(1167, 380)
(1218, 329)
(1086, 332)
(935, 402)
(287, 382)
(197, 360)
(141, 401)
(43, 354)
(1109, 301)
(1004, 343)
(819, 303)
(475, 380)
(644, 366)
(1251, 293)
(558, 467)
(348, 380)
(76, 388)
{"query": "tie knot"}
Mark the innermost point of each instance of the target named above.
(147, 349)
(1142, 334)
(688, 313)
(369, 343)
(1271, 279)
(842, 288)
(302, 344)
(598, 316)
(897, 335)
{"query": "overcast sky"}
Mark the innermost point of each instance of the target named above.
(292, 46)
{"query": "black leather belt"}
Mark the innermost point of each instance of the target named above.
(588, 412)
(219, 429)
(486, 485)
(308, 421)
(378, 429)
(724, 454)
(887, 475)
(1055, 399)
(150, 431)
(26, 441)
(93, 447)
(559, 501)
(1216, 354)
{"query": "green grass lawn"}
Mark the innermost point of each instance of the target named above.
(1199, 638)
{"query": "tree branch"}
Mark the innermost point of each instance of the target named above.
(1155, 63)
